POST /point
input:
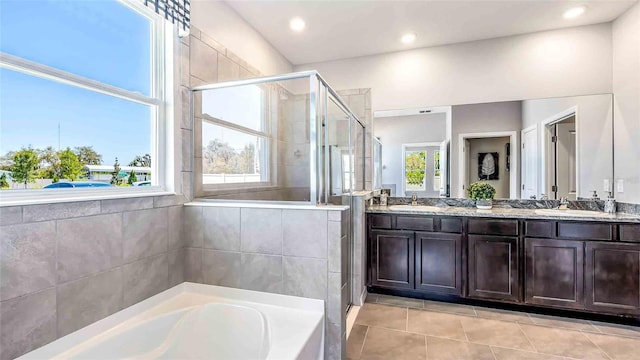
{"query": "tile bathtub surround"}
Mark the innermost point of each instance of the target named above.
(389, 327)
(64, 267)
(299, 252)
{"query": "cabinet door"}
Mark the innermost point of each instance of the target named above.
(554, 273)
(439, 263)
(612, 276)
(392, 259)
(493, 267)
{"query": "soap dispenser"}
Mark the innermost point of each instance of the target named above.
(610, 204)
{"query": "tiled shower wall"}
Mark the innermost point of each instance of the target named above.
(300, 252)
(66, 265)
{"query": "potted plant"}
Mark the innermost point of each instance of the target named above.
(483, 194)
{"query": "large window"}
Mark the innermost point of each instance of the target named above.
(82, 87)
(235, 137)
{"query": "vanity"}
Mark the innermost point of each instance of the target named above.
(583, 261)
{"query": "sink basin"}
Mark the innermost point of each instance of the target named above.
(414, 208)
(576, 213)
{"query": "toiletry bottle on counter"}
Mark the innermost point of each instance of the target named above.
(610, 204)
(383, 199)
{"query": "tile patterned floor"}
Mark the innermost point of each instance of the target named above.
(395, 328)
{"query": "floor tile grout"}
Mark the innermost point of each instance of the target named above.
(592, 328)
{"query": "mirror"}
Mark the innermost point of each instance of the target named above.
(530, 149)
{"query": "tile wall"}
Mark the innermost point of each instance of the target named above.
(295, 252)
(64, 266)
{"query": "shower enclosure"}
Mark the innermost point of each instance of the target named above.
(287, 139)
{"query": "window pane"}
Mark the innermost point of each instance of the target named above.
(230, 156)
(241, 105)
(415, 167)
(50, 117)
(101, 40)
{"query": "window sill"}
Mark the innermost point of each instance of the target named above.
(38, 197)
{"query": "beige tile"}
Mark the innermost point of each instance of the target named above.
(618, 348)
(444, 349)
(495, 333)
(384, 344)
(563, 323)
(510, 354)
(355, 341)
(504, 315)
(562, 342)
(435, 324)
(449, 308)
(400, 301)
(383, 316)
(617, 329)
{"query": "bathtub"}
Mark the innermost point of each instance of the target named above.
(195, 321)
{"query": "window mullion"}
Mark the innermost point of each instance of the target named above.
(46, 72)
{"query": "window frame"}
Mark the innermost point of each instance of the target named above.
(417, 147)
(160, 102)
(266, 135)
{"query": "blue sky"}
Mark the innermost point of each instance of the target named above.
(99, 39)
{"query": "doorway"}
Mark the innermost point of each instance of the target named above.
(561, 165)
(490, 157)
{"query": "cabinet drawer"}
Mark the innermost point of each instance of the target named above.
(378, 221)
(585, 231)
(542, 229)
(630, 233)
(451, 226)
(493, 227)
(414, 223)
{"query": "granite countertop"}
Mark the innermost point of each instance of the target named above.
(496, 212)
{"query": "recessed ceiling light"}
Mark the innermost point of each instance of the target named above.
(297, 24)
(574, 12)
(408, 38)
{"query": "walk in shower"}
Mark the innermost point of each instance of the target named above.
(279, 140)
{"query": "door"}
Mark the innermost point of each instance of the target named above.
(444, 169)
(439, 263)
(554, 273)
(464, 171)
(493, 267)
(612, 277)
(530, 162)
(565, 146)
(392, 259)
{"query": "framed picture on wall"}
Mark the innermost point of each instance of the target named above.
(488, 166)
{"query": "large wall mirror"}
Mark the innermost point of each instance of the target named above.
(531, 149)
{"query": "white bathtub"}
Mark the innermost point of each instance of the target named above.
(195, 321)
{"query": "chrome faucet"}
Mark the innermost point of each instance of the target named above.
(564, 203)
(414, 199)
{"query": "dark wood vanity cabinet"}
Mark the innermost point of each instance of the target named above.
(612, 277)
(392, 255)
(438, 264)
(554, 273)
(577, 265)
(493, 267)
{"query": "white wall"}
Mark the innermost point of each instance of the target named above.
(395, 131)
(626, 87)
(594, 118)
(480, 118)
(567, 62)
(221, 22)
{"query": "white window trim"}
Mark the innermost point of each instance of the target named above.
(266, 134)
(161, 102)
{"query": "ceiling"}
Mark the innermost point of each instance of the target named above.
(346, 29)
